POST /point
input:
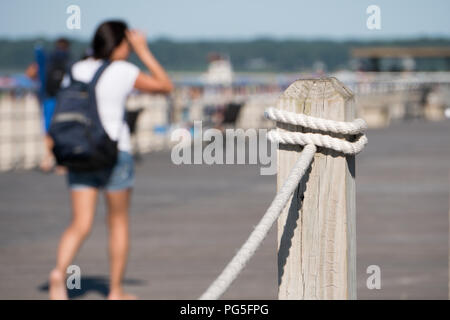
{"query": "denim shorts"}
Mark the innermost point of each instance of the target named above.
(119, 177)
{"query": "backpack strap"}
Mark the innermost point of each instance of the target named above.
(92, 96)
(69, 72)
(92, 85)
(98, 73)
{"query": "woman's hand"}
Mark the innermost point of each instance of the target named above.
(159, 81)
(137, 40)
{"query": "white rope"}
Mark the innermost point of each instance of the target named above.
(319, 140)
(234, 267)
(310, 141)
(357, 126)
(298, 119)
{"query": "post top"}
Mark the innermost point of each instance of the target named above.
(316, 88)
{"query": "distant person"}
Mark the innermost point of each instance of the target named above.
(50, 70)
(112, 41)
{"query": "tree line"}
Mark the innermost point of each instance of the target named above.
(263, 54)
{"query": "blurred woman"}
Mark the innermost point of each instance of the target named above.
(112, 41)
(49, 69)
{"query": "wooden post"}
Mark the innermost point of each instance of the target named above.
(316, 231)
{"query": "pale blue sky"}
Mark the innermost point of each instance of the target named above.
(230, 19)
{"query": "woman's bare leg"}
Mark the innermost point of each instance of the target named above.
(118, 205)
(83, 210)
(48, 161)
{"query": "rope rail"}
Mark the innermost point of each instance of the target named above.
(310, 141)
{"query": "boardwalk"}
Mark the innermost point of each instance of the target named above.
(187, 222)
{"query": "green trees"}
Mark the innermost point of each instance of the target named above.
(263, 54)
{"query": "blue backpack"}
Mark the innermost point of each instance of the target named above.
(80, 141)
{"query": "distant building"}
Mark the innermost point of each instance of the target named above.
(220, 71)
(402, 58)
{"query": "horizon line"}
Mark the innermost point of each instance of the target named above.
(246, 39)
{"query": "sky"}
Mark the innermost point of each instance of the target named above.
(230, 19)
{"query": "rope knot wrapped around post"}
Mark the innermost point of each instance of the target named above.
(355, 127)
(310, 141)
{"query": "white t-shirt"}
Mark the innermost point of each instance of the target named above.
(112, 89)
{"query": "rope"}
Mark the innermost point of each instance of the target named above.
(244, 254)
(310, 141)
(319, 140)
(298, 119)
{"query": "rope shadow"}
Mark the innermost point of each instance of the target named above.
(291, 224)
(297, 202)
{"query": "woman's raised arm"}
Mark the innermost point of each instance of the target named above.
(158, 81)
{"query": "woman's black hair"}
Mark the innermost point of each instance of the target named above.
(109, 35)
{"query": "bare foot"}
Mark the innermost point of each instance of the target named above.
(121, 296)
(57, 286)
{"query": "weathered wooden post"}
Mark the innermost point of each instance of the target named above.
(316, 230)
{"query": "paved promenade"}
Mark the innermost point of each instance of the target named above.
(188, 221)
